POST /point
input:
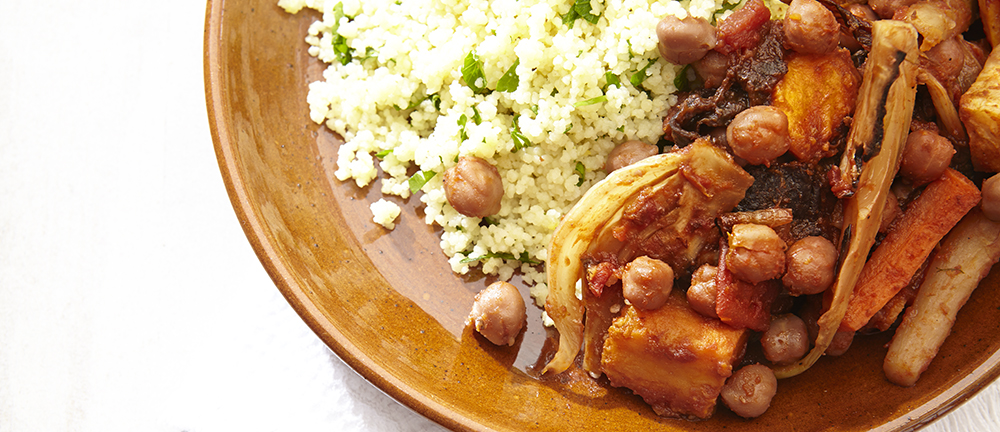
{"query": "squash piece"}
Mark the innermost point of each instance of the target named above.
(674, 358)
(980, 111)
(937, 20)
(816, 94)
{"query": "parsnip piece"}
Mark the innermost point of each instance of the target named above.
(980, 111)
(881, 125)
(706, 178)
(962, 261)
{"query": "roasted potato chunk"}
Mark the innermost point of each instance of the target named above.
(816, 94)
(676, 359)
(980, 111)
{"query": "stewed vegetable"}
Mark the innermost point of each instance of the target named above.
(855, 178)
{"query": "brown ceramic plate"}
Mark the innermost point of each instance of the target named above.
(388, 304)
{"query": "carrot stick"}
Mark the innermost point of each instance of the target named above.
(742, 304)
(910, 241)
(964, 258)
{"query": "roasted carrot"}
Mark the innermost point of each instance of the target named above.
(964, 258)
(743, 304)
(890, 313)
(908, 244)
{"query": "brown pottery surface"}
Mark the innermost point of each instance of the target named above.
(388, 304)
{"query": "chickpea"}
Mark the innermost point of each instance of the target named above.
(786, 340)
(925, 157)
(991, 198)
(683, 41)
(712, 68)
(647, 283)
(840, 343)
(473, 187)
(890, 213)
(498, 313)
(756, 253)
(811, 28)
(947, 58)
(749, 391)
(811, 310)
(703, 291)
(887, 8)
(759, 134)
(628, 153)
(812, 265)
(862, 11)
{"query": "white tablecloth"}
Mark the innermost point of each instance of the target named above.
(130, 299)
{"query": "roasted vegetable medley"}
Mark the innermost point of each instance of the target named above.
(822, 177)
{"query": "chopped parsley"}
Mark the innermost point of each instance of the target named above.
(580, 171)
(520, 141)
(726, 6)
(591, 101)
(524, 257)
(413, 104)
(640, 75)
(419, 180)
(369, 54)
(509, 81)
(464, 119)
(610, 80)
(475, 115)
(681, 81)
(581, 10)
(436, 100)
(382, 154)
(461, 124)
(472, 74)
(340, 48)
(687, 79)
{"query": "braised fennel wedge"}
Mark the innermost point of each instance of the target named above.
(875, 145)
(704, 182)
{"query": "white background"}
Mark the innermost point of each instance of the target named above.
(130, 299)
